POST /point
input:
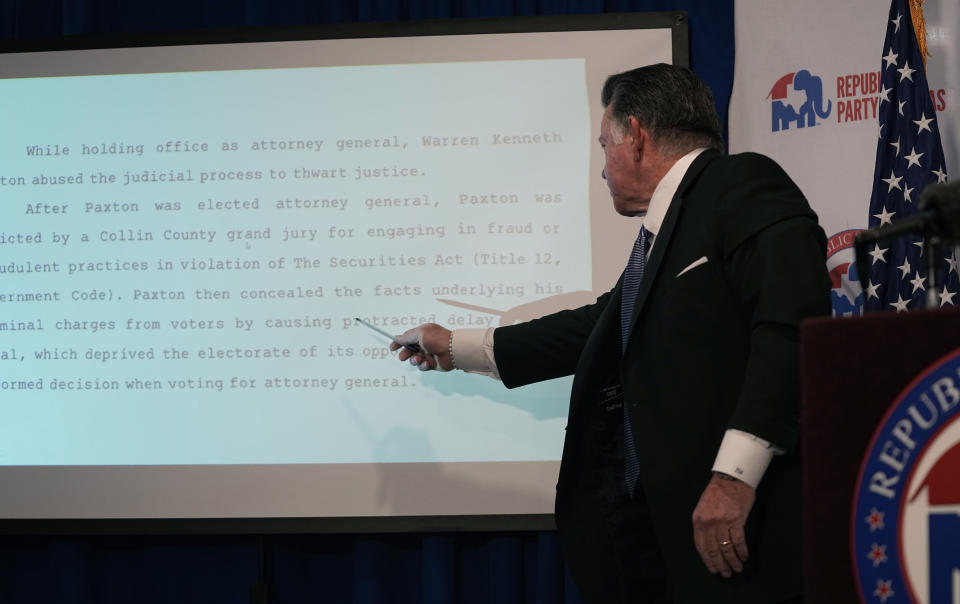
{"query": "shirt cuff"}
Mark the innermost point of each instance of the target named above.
(744, 456)
(473, 351)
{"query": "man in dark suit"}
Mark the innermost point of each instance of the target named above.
(686, 389)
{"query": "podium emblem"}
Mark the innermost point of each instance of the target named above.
(906, 512)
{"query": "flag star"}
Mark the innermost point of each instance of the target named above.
(946, 297)
(905, 267)
(896, 146)
(901, 304)
(941, 176)
(952, 261)
(893, 182)
(919, 244)
(896, 23)
(878, 554)
(883, 590)
(906, 72)
(878, 253)
(914, 158)
(900, 108)
(917, 282)
(872, 290)
(891, 58)
(906, 194)
(885, 216)
(923, 123)
(884, 94)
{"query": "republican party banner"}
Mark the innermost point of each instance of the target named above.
(809, 91)
(837, 93)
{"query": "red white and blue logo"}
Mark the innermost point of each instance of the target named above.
(797, 99)
(906, 513)
(846, 295)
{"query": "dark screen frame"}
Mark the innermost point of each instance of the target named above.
(678, 24)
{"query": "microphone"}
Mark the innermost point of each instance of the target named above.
(943, 201)
(937, 217)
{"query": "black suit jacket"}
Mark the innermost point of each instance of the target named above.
(710, 349)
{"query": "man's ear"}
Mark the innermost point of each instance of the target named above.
(639, 135)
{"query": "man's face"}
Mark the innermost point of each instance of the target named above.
(621, 168)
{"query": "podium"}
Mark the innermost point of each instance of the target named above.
(853, 369)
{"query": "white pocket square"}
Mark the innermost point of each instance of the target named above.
(694, 264)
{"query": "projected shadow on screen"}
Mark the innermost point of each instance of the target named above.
(457, 488)
(461, 488)
(459, 492)
(546, 400)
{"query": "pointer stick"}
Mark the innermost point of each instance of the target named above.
(410, 347)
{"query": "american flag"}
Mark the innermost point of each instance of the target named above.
(909, 157)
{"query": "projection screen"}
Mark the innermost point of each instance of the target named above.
(189, 231)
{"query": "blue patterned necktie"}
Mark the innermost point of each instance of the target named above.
(631, 285)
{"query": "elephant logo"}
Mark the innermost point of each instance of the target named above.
(787, 106)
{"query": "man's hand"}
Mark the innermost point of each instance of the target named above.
(434, 343)
(718, 522)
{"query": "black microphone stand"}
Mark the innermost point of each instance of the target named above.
(934, 258)
(937, 219)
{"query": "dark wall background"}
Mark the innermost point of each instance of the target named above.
(471, 567)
